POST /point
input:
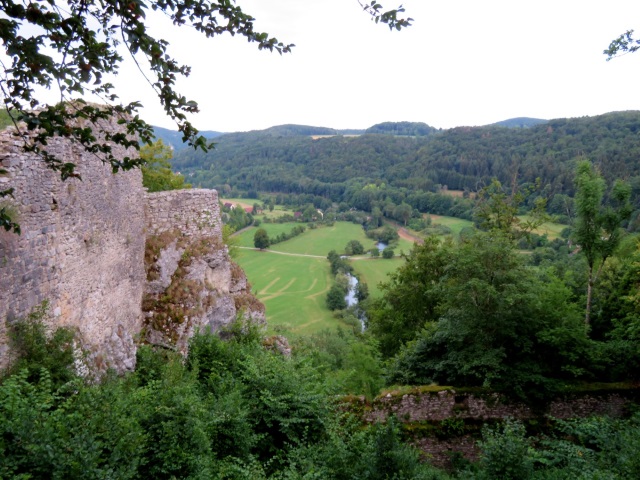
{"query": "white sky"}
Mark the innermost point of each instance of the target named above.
(463, 62)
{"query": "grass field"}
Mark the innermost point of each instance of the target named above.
(374, 271)
(278, 210)
(319, 241)
(292, 288)
(552, 230)
(455, 224)
(273, 229)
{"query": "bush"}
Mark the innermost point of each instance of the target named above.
(35, 349)
(388, 253)
(335, 297)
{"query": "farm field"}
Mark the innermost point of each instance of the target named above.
(455, 224)
(293, 285)
(552, 230)
(273, 229)
(292, 288)
(319, 241)
(374, 271)
(278, 210)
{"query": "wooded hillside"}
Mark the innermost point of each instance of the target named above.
(288, 160)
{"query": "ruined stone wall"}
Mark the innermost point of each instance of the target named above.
(81, 248)
(192, 211)
(192, 284)
(442, 421)
(445, 404)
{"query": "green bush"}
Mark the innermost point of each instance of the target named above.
(35, 349)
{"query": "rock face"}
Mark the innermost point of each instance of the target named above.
(191, 282)
(83, 247)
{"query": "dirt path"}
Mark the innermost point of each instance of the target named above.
(404, 233)
(285, 253)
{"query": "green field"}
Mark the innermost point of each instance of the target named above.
(292, 288)
(374, 271)
(319, 241)
(273, 229)
(455, 224)
(278, 210)
(552, 230)
(293, 283)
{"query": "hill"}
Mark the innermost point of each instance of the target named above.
(411, 129)
(174, 138)
(462, 158)
(519, 122)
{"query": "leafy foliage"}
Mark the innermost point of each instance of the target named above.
(261, 239)
(37, 350)
(156, 171)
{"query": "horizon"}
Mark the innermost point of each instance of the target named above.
(400, 121)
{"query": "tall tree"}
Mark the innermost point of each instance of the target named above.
(597, 228)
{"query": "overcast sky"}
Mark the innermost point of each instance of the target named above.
(463, 62)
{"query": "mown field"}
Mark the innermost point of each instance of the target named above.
(318, 241)
(292, 288)
(375, 271)
(292, 278)
(455, 224)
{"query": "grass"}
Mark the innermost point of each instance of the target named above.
(374, 271)
(292, 288)
(552, 230)
(319, 241)
(455, 224)
(278, 210)
(273, 229)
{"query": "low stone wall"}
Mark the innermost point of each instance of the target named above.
(444, 404)
(444, 422)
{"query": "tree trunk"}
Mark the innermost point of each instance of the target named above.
(587, 317)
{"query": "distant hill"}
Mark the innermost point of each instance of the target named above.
(407, 129)
(519, 122)
(174, 138)
(288, 159)
(294, 130)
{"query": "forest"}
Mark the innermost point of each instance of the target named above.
(288, 160)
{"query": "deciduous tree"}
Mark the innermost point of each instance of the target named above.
(261, 239)
(156, 171)
(597, 228)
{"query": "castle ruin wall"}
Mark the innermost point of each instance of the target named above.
(81, 248)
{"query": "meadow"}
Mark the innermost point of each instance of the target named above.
(292, 288)
(318, 241)
(455, 224)
(292, 278)
(375, 271)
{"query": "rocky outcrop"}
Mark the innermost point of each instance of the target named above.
(192, 284)
(83, 249)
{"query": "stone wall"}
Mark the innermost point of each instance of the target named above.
(443, 404)
(443, 422)
(193, 212)
(81, 248)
